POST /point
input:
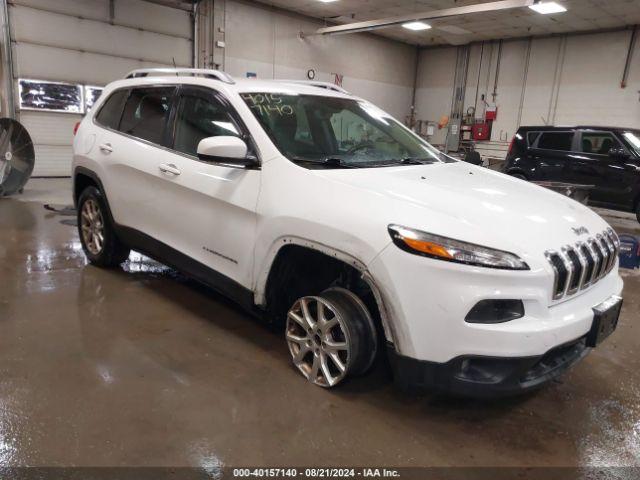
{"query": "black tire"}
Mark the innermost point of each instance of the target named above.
(112, 252)
(519, 176)
(362, 330)
(331, 337)
(638, 212)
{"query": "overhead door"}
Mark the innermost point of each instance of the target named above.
(87, 43)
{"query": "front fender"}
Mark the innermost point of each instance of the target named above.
(264, 269)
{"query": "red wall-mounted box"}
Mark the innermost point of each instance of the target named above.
(481, 131)
(491, 114)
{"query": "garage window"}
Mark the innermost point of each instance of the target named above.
(91, 95)
(556, 141)
(146, 112)
(50, 96)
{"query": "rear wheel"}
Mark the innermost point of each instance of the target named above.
(97, 235)
(330, 336)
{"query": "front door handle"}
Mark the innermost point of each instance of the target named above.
(106, 148)
(169, 168)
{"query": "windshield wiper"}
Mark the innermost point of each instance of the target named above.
(412, 161)
(332, 162)
(408, 161)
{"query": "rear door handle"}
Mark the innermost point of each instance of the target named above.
(169, 168)
(106, 148)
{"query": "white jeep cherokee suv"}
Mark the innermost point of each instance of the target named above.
(318, 211)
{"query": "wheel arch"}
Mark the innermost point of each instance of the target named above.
(277, 255)
(517, 170)
(83, 178)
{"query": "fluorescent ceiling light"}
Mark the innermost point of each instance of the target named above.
(547, 7)
(416, 26)
(328, 1)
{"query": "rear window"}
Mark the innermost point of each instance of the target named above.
(556, 141)
(110, 113)
(146, 113)
(532, 137)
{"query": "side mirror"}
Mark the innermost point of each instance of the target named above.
(618, 153)
(225, 149)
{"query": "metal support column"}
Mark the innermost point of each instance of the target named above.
(8, 102)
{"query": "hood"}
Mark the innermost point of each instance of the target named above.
(476, 205)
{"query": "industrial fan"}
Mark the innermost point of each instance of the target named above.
(16, 156)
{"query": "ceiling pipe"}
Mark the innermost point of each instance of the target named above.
(432, 15)
(185, 5)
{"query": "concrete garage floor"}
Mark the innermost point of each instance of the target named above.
(142, 367)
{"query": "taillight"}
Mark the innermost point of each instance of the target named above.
(75, 128)
(511, 145)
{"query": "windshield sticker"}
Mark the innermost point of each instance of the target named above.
(268, 104)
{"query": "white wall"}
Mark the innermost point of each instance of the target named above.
(570, 80)
(265, 41)
(76, 41)
(434, 94)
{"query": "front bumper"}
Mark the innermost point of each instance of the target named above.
(486, 377)
(426, 302)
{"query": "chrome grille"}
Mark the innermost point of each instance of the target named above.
(579, 266)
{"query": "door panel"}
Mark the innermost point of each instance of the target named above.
(550, 153)
(134, 187)
(208, 214)
(613, 178)
(209, 209)
(132, 155)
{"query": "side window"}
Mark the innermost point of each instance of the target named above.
(556, 141)
(111, 111)
(532, 137)
(146, 112)
(199, 118)
(599, 142)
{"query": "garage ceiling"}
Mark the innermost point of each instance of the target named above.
(581, 15)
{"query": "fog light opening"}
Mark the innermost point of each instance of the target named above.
(495, 311)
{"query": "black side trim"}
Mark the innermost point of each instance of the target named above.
(248, 163)
(164, 253)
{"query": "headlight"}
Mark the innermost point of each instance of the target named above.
(448, 249)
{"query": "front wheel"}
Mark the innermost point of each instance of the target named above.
(97, 235)
(330, 337)
(518, 176)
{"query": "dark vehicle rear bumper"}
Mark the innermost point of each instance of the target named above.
(486, 377)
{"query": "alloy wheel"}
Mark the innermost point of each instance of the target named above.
(92, 226)
(318, 341)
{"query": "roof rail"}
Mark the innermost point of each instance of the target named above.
(194, 72)
(313, 83)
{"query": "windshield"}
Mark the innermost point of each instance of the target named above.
(633, 138)
(337, 131)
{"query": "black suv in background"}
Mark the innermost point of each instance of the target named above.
(607, 158)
